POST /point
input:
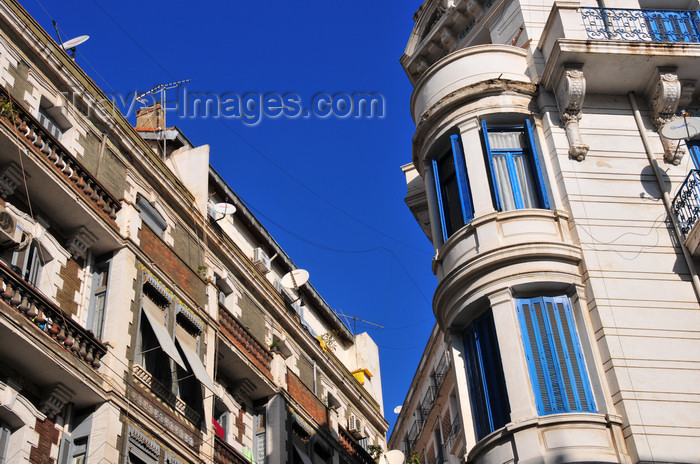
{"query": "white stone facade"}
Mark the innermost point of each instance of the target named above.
(567, 285)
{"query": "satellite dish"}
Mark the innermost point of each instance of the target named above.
(224, 208)
(393, 457)
(72, 43)
(295, 279)
(681, 128)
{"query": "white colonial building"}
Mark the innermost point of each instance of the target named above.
(564, 231)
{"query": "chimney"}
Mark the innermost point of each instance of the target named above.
(150, 117)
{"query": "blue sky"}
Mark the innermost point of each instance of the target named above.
(330, 190)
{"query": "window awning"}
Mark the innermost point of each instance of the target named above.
(164, 339)
(198, 368)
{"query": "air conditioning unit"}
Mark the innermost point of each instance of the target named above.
(261, 260)
(10, 234)
(355, 427)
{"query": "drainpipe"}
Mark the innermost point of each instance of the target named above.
(666, 198)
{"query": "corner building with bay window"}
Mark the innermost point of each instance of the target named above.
(563, 225)
(139, 324)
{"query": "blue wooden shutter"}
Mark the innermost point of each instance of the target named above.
(462, 179)
(555, 361)
(544, 200)
(577, 375)
(494, 180)
(441, 209)
(487, 389)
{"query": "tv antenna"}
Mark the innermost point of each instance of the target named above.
(294, 279)
(162, 89)
(69, 45)
(354, 322)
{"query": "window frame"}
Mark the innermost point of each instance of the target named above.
(532, 156)
(151, 216)
(554, 379)
(101, 272)
(50, 124)
(463, 188)
(487, 388)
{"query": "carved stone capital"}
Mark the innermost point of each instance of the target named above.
(79, 241)
(664, 95)
(10, 179)
(55, 399)
(571, 91)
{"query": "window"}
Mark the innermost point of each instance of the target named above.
(98, 301)
(74, 445)
(694, 150)
(452, 187)
(50, 124)
(515, 168)
(29, 262)
(171, 356)
(150, 216)
(487, 388)
(554, 357)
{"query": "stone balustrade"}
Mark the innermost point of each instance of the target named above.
(49, 318)
(47, 147)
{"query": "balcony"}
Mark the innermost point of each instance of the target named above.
(686, 208)
(353, 448)
(59, 185)
(226, 454)
(44, 345)
(428, 400)
(414, 431)
(441, 369)
(453, 433)
(242, 361)
(613, 41)
(165, 395)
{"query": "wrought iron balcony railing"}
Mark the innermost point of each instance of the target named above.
(452, 434)
(642, 25)
(428, 400)
(441, 369)
(49, 318)
(415, 430)
(686, 203)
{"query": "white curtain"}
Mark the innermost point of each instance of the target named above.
(527, 187)
(505, 190)
(510, 140)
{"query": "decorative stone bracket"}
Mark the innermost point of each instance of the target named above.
(570, 93)
(10, 179)
(666, 95)
(55, 399)
(79, 241)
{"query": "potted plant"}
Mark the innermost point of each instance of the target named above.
(275, 346)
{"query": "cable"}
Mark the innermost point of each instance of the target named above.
(309, 242)
(116, 23)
